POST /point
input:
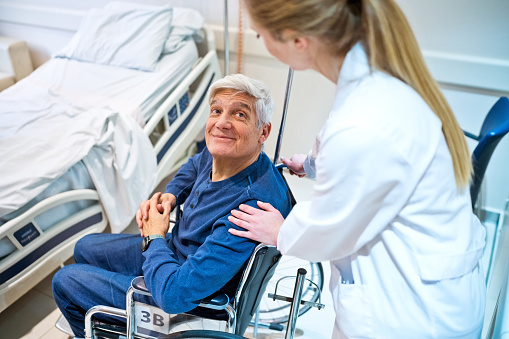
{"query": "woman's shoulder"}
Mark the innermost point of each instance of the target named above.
(387, 106)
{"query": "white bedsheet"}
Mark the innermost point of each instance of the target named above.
(140, 89)
(44, 131)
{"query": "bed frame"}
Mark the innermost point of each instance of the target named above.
(173, 129)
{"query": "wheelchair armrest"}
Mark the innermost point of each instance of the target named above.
(138, 284)
(219, 302)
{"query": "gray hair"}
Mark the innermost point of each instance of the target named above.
(264, 105)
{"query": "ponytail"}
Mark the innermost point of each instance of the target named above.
(393, 49)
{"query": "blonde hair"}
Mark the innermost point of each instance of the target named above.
(383, 29)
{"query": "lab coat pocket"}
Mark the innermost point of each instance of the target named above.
(448, 266)
(355, 319)
(456, 263)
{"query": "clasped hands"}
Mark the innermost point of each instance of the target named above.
(153, 217)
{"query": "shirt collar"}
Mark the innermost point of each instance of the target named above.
(355, 68)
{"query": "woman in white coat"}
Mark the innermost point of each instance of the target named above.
(391, 206)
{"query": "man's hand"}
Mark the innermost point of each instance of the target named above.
(143, 212)
(260, 224)
(295, 164)
(157, 222)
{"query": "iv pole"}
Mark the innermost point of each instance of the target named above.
(289, 81)
(226, 40)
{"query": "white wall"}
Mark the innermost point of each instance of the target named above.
(465, 43)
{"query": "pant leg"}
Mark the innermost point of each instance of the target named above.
(120, 253)
(78, 287)
(105, 266)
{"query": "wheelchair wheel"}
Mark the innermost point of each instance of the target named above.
(205, 334)
(276, 311)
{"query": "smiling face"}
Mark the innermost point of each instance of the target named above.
(231, 132)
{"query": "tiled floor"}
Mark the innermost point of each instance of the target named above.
(34, 315)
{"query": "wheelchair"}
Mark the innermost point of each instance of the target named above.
(144, 321)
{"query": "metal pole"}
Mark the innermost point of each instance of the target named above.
(283, 118)
(257, 315)
(226, 40)
(297, 297)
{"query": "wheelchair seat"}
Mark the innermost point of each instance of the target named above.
(238, 312)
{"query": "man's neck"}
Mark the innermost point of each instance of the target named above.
(223, 169)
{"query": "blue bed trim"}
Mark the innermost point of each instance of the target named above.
(184, 124)
(49, 245)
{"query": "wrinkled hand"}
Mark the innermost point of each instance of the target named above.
(260, 224)
(157, 222)
(143, 212)
(295, 164)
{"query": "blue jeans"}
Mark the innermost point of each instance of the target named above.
(105, 266)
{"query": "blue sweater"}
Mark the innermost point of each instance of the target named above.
(202, 257)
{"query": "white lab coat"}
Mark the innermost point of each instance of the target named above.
(385, 196)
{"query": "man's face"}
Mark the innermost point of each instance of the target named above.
(231, 132)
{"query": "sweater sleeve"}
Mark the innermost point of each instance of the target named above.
(178, 288)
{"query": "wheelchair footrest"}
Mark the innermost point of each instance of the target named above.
(302, 302)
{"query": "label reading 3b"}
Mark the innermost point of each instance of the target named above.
(150, 320)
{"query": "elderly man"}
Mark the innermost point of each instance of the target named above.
(199, 258)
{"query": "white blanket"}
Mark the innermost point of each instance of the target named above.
(45, 131)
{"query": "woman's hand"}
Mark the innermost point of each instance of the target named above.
(295, 164)
(143, 212)
(157, 222)
(261, 224)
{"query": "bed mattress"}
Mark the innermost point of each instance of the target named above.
(141, 89)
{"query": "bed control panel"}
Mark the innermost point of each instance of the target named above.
(26, 234)
(173, 114)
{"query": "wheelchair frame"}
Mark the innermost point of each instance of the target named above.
(259, 270)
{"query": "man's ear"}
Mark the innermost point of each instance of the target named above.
(265, 133)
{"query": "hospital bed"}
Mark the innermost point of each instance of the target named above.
(86, 137)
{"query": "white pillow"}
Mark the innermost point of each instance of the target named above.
(125, 37)
(186, 23)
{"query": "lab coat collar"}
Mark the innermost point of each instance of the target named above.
(355, 68)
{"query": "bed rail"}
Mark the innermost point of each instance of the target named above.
(40, 252)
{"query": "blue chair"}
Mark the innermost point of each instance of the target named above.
(494, 127)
